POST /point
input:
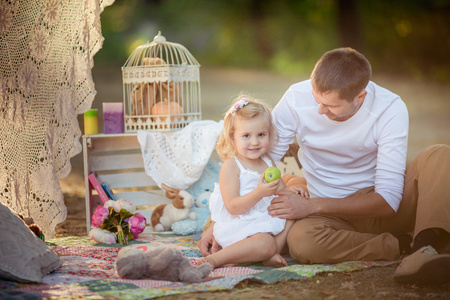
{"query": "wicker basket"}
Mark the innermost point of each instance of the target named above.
(161, 87)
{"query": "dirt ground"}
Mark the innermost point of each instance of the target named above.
(429, 111)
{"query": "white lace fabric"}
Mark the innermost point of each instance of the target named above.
(178, 158)
(46, 55)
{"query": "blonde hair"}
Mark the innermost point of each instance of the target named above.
(344, 70)
(225, 146)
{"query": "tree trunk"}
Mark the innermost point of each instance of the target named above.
(349, 24)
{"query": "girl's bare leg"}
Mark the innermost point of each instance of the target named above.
(277, 260)
(258, 247)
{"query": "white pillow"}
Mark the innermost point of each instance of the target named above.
(23, 256)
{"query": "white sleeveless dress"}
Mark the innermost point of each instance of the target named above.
(230, 229)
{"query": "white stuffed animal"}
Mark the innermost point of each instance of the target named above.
(165, 215)
(201, 208)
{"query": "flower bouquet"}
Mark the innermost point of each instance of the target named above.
(116, 221)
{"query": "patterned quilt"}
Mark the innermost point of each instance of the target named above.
(88, 272)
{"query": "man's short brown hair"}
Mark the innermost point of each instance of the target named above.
(344, 70)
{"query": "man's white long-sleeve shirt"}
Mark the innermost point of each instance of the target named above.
(340, 158)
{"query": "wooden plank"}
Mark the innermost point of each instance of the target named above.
(116, 161)
(108, 142)
(128, 180)
(140, 198)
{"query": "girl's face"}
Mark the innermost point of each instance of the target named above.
(251, 136)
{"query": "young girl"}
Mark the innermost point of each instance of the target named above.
(243, 227)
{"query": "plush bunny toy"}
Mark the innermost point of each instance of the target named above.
(165, 214)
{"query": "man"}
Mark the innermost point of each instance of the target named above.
(353, 142)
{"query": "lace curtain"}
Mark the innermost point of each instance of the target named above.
(46, 55)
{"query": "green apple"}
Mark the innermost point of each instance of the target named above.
(272, 174)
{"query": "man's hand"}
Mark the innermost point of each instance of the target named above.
(295, 190)
(290, 206)
(294, 206)
(208, 242)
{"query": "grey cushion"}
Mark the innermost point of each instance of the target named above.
(23, 256)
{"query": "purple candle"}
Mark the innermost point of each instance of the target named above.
(112, 117)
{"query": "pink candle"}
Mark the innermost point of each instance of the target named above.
(112, 117)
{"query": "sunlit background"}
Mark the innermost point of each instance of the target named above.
(287, 36)
(263, 46)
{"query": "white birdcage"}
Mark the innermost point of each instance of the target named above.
(161, 87)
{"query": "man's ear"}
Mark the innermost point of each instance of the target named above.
(361, 96)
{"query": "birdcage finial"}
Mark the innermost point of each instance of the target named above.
(159, 38)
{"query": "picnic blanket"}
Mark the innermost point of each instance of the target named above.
(88, 272)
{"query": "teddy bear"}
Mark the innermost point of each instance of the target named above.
(159, 262)
(201, 190)
(164, 215)
(146, 95)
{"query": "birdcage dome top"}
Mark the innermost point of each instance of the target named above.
(161, 52)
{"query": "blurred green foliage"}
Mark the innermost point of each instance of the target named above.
(401, 37)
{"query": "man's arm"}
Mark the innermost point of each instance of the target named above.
(391, 157)
(293, 206)
(285, 122)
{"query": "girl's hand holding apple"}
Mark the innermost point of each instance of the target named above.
(267, 189)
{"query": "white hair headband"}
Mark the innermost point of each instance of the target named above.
(238, 105)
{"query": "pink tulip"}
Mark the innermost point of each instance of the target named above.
(102, 236)
(101, 213)
(137, 224)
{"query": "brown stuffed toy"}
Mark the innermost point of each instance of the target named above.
(145, 95)
(33, 227)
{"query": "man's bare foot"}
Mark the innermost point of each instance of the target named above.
(276, 261)
(208, 259)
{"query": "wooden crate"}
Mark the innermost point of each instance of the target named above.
(118, 161)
